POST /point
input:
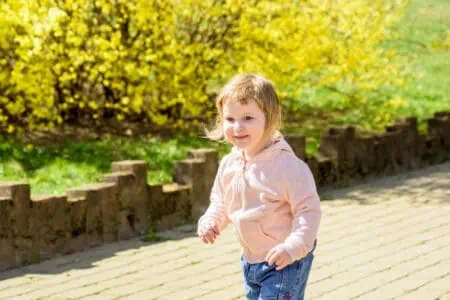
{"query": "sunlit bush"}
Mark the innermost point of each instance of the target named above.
(160, 61)
(443, 42)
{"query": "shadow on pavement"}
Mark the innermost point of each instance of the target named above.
(88, 258)
(424, 186)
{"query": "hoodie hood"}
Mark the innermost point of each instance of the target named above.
(277, 145)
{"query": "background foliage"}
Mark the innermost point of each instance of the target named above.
(159, 62)
(327, 75)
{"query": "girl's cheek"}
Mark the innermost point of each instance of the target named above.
(226, 131)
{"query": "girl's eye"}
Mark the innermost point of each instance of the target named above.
(229, 119)
(248, 118)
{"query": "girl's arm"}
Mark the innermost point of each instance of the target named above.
(216, 212)
(301, 193)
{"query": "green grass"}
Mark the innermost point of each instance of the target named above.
(153, 236)
(54, 169)
(424, 22)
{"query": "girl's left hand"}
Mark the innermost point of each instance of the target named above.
(278, 256)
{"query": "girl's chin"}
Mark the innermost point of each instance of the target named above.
(240, 146)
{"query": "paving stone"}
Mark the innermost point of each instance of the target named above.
(387, 238)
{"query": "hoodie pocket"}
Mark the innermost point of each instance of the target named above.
(254, 237)
(266, 235)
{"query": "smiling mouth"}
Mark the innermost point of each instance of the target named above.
(240, 137)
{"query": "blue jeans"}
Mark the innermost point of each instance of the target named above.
(265, 282)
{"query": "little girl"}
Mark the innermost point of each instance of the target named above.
(264, 190)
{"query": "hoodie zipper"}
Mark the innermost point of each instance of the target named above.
(239, 192)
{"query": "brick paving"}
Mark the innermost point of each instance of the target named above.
(388, 239)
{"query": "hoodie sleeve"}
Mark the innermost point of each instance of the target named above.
(300, 191)
(216, 212)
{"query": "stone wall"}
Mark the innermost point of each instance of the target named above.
(344, 158)
(33, 229)
(125, 206)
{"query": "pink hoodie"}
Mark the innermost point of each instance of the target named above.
(271, 200)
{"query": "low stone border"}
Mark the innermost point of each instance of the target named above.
(33, 229)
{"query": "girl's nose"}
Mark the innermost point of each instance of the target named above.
(238, 126)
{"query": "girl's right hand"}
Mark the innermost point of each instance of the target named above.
(209, 233)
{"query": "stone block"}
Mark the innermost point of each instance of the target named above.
(192, 172)
(385, 153)
(365, 154)
(7, 254)
(77, 213)
(102, 211)
(16, 208)
(440, 126)
(139, 192)
(19, 194)
(138, 167)
(298, 144)
(433, 150)
(323, 169)
(177, 202)
(126, 214)
(399, 150)
(412, 142)
(437, 128)
(50, 225)
(339, 145)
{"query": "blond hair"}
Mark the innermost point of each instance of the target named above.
(244, 88)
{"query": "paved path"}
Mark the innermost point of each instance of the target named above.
(389, 239)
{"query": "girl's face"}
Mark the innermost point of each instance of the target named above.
(244, 126)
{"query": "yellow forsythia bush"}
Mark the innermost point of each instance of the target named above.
(442, 43)
(158, 60)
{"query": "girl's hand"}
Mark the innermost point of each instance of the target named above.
(209, 233)
(278, 256)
